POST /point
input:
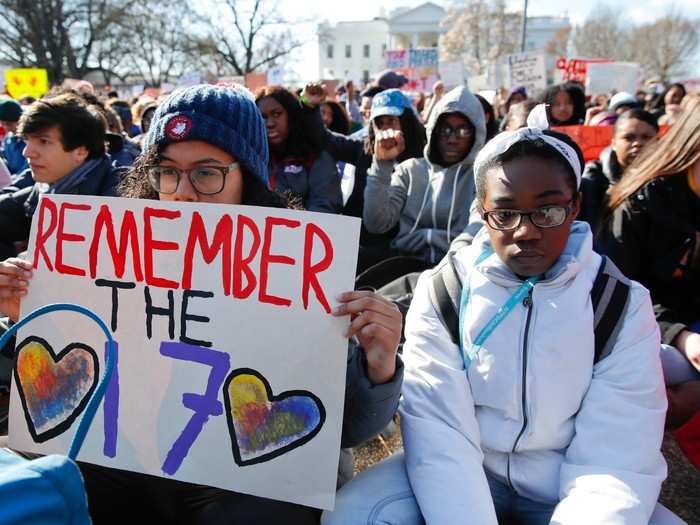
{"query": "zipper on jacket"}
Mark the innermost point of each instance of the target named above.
(527, 303)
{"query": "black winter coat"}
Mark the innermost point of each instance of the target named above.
(598, 176)
(654, 238)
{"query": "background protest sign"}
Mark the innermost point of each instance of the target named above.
(606, 78)
(452, 74)
(575, 69)
(528, 70)
(21, 82)
(230, 370)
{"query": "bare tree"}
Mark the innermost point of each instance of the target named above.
(249, 35)
(601, 36)
(159, 47)
(558, 46)
(480, 32)
(58, 35)
(665, 47)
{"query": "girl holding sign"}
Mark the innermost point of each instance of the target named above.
(209, 144)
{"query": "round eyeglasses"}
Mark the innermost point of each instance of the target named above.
(545, 217)
(206, 180)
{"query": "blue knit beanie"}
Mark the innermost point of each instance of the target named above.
(224, 117)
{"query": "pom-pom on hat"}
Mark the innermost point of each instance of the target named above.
(224, 117)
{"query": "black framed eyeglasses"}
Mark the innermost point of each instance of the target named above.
(206, 180)
(462, 132)
(545, 217)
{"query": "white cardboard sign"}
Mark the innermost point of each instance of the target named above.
(231, 370)
(605, 78)
(528, 70)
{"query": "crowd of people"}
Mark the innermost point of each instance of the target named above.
(554, 305)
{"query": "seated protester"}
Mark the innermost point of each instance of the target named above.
(566, 104)
(507, 415)
(12, 144)
(667, 105)
(66, 153)
(429, 198)
(334, 117)
(120, 148)
(390, 109)
(489, 117)
(296, 166)
(228, 132)
(652, 232)
(634, 129)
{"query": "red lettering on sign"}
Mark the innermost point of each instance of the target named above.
(151, 245)
(267, 258)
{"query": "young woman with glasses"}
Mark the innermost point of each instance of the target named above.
(428, 197)
(513, 421)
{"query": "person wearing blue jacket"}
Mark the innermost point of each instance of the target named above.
(13, 144)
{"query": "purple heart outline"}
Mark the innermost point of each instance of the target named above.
(287, 401)
(35, 408)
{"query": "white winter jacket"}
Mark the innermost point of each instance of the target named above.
(532, 409)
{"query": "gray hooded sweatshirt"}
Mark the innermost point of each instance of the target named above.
(430, 202)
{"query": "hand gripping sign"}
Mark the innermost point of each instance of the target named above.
(230, 367)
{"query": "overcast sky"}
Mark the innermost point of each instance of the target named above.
(638, 11)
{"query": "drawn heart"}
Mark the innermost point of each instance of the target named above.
(263, 426)
(54, 388)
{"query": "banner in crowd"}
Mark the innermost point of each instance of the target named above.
(418, 65)
(22, 82)
(528, 70)
(396, 59)
(575, 69)
(603, 78)
(594, 139)
(231, 370)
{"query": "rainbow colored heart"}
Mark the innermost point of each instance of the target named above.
(54, 388)
(264, 426)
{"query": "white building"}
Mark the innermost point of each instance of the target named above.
(355, 50)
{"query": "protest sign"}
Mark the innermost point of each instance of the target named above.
(275, 76)
(575, 69)
(605, 78)
(396, 58)
(21, 82)
(527, 70)
(594, 139)
(230, 370)
(452, 74)
(422, 68)
(254, 81)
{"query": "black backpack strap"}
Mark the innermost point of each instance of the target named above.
(609, 295)
(445, 294)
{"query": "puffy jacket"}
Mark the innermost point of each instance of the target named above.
(429, 202)
(598, 176)
(653, 237)
(533, 409)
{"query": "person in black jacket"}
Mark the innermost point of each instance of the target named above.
(66, 152)
(633, 130)
(652, 231)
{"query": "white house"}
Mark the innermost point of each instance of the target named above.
(355, 50)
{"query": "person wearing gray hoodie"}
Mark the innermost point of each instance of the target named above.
(428, 197)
